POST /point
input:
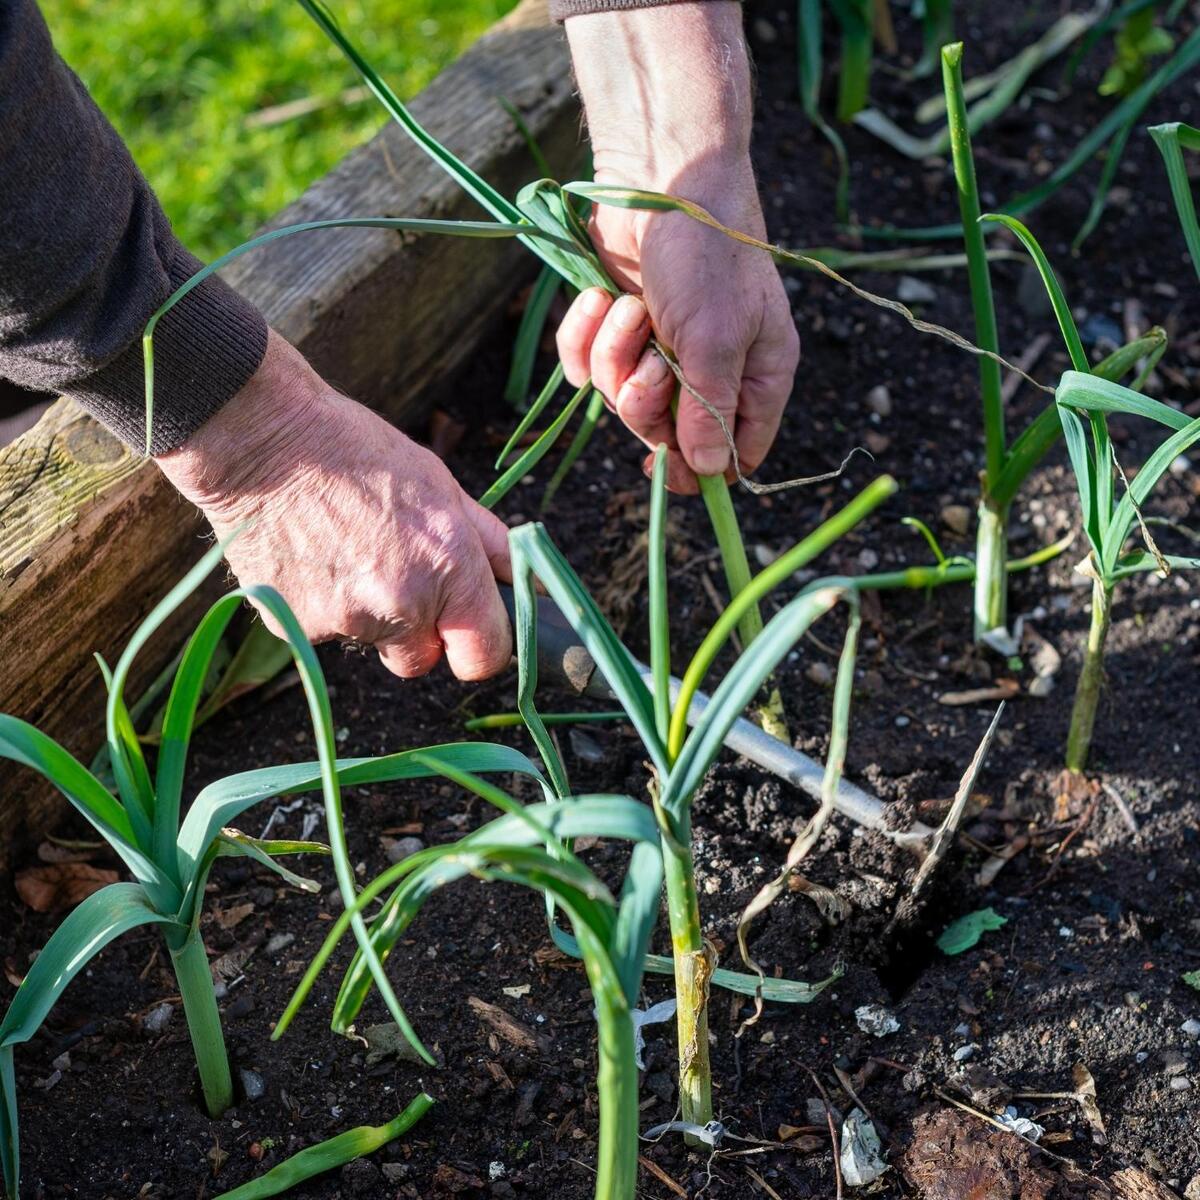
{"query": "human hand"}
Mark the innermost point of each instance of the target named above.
(667, 95)
(364, 533)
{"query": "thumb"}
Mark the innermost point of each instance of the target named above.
(493, 535)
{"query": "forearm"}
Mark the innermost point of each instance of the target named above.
(666, 89)
(87, 255)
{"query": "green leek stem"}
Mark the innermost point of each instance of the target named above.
(692, 971)
(204, 1023)
(719, 502)
(991, 570)
(1091, 678)
(617, 1087)
(991, 580)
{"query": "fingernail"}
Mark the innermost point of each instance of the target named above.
(595, 302)
(629, 313)
(710, 460)
(650, 372)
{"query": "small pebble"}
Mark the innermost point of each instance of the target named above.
(764, 555)
(1180, 1083)
(964, 1052)
(868, 559)
(1191, 1028)
(1173, 1062)
(819, 673)
(879, 400)
(586, 748)
(281, 941)
(915, 291)
(764, 31)
(401, 848)
(158, 1018)
(902, 722)
(253, 1084)
(242, 1005)
(957, 518)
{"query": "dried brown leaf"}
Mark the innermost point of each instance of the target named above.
(58, 886)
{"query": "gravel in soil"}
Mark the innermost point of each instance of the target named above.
(1099, 893)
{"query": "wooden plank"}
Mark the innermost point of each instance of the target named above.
(91, 535)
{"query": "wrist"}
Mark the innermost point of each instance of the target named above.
(666, 91)
(244, 451)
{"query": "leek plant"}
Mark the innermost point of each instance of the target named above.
(679, 760)
(1081, 402)
(1172, 139)
(990, 607)
(168, 854)
(530, 845)
(1006, 464)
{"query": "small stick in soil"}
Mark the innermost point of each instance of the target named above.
(762, 1183)
(1026, 361)
(661, 1176)
(1123, 808)
(848, 1086)
(889, 1062)
(833, 1137)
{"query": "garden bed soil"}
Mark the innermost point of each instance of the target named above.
(1102, 921)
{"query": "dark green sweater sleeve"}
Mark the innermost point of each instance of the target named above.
(87, 255)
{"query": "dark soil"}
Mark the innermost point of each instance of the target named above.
(1102, 920)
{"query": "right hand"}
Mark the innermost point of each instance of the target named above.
(364, 533)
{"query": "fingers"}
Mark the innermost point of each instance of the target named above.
(770, 372)
(644, 400)
(618, 345)
(704, 430)
(578, 331)
(473, 624)
(681, 479)
(411, 655)
(493, 536)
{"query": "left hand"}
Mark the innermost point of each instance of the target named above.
(717, 304)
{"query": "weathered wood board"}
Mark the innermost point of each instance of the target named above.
(91, 535)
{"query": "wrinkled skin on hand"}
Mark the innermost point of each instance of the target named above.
(364, 533)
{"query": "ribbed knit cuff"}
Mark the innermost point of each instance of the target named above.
(560, 10)
(205, 349)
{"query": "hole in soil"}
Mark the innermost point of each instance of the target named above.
(905, 960)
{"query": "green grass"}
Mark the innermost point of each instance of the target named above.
(179, 80)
